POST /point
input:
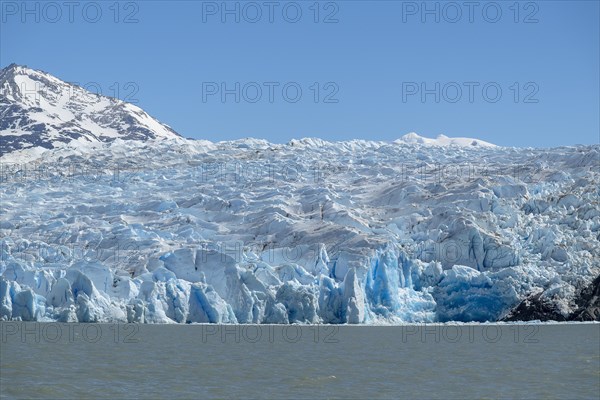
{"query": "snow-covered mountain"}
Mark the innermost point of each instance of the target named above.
(311, 231)
(443, 140)
(40, 111)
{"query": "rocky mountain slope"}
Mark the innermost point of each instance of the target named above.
(38, 110)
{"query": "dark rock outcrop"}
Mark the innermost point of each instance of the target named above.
(535, 308)
(589, 303)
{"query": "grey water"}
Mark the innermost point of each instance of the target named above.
(51, 360)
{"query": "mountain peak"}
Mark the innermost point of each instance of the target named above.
(9, 71)
(443, 140)
(41, 111)
(12, 66)
(411, 137)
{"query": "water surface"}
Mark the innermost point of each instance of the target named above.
(41, 360)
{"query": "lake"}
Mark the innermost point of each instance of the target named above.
(54, 360)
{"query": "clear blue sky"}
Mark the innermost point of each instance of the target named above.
(377, 58)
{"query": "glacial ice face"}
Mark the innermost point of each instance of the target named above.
(308, 232)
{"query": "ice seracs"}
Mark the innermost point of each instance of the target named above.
(181, 232)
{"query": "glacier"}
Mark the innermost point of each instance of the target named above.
(246, 231)
(107, 214)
